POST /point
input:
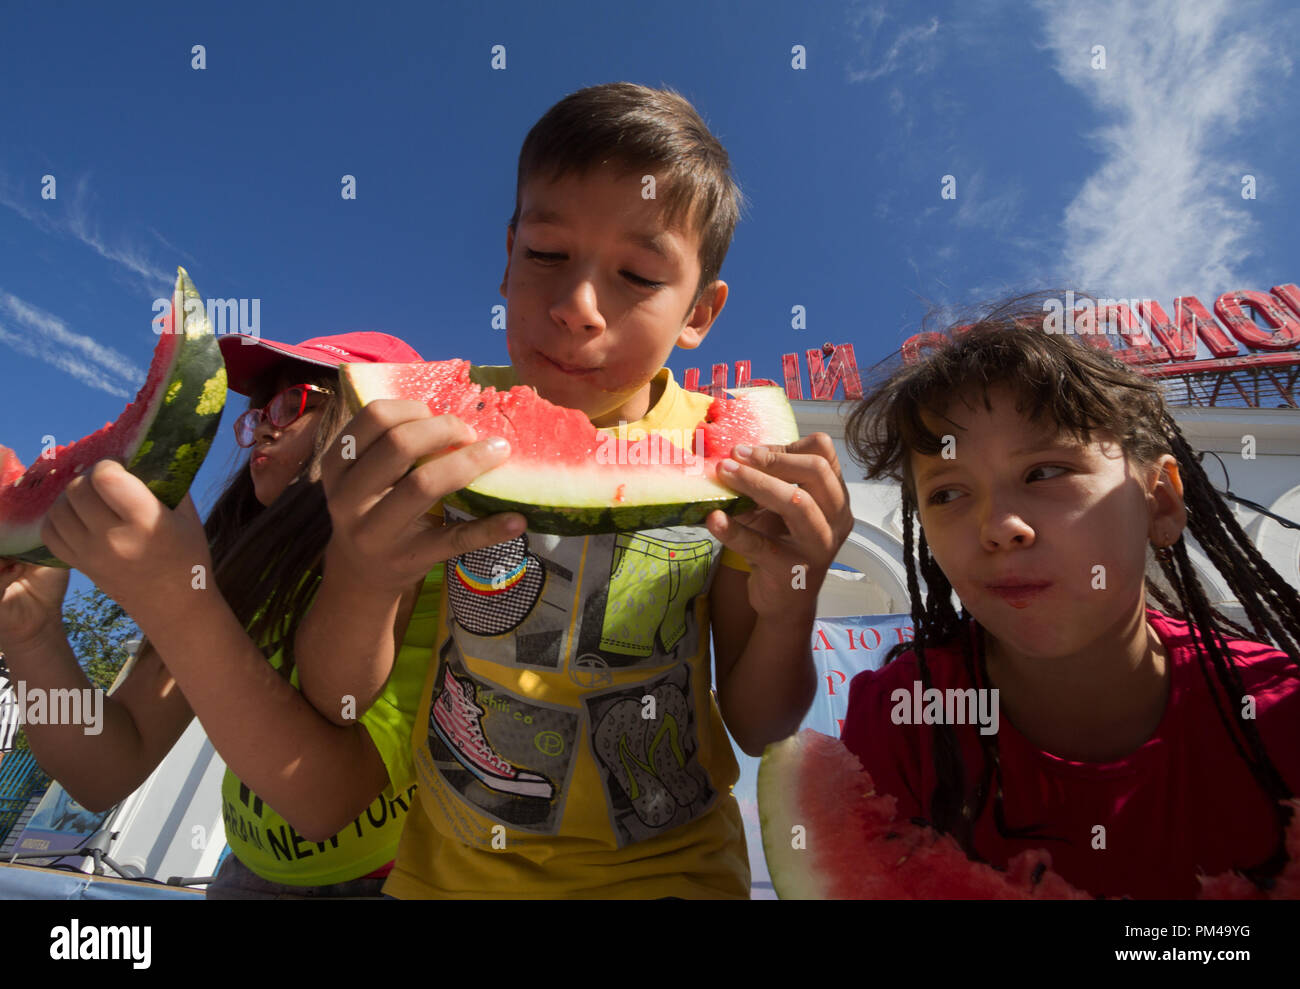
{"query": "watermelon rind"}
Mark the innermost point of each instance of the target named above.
(580, 499)
(851, 844)
(791, 854)
(175, 431)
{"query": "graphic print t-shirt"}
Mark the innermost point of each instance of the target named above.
(268, 844)
(569, 743)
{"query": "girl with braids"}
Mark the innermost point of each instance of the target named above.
(312, 809)
(1140, 745)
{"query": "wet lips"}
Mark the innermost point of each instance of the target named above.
(1019, 594)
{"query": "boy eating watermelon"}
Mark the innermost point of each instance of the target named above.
(570, 742)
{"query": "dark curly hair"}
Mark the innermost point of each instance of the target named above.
(1081, 389)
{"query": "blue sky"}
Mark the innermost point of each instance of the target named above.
(1123, 180)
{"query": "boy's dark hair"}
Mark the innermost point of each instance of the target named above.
(1080, 388)
(636, 129)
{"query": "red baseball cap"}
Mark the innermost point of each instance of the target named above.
(248, 357)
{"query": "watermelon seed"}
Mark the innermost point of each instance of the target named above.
(892, 835)
(1039, 869)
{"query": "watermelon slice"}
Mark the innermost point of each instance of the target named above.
(566, 476)
(161, 437)
(828, 834)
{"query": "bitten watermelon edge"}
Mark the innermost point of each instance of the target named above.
(560, 475)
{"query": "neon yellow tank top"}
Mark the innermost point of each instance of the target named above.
(268, 845)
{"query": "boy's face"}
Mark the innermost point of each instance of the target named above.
(598, 293)
(1017, 503)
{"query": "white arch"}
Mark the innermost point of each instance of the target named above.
(882, 588)
(1277, 543)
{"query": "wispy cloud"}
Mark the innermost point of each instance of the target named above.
(38, 334)
(885, 50)
(1163, 216)
(77, 221)
(991, 212)
(172, 247)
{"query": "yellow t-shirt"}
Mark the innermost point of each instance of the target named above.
(268, 845)
(569, 741)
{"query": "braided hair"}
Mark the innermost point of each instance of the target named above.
(1082, 389)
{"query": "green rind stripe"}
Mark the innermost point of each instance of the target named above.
(178, 439)
(560, 521)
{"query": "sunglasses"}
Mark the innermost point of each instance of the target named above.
(283, 410)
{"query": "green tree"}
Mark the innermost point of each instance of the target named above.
(98, 631)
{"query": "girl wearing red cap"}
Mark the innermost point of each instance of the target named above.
(311, 809)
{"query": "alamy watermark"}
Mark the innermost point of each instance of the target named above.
(1079, 317)
(60, 706)
(102, 942)
(953, 706)
(242, 316)
(662, 446)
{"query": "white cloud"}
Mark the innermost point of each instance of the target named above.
(1162, 215)
(76, 222)
(913, 47)
(172, 247)
(992, 213)
(38, 334)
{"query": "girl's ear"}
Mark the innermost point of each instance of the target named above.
(1168, 513)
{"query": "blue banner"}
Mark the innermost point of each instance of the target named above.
(841, 647)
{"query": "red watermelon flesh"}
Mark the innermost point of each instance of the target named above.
(568, 477)
(162, 436)
(852, 846)
(11, 468)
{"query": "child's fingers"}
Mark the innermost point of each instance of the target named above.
(363, 430)
(61, 525)
(389, 459)
(757, 548)
(123, 494)
(810, 463)
(449, 542)
(10, 571)
(797, 507)
(426, 485)
(86, 503)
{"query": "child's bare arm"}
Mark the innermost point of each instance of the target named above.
(763, 621)
(316, 775)
(766, 679)
(384, 542)
(115, 746)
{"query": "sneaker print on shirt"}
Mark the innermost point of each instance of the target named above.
(506, 756)
(457, 720)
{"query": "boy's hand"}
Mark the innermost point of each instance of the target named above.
(31, 602)
(802, 520)
(383, 537)
(112, 528)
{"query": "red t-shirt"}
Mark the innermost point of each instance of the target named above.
(1183, 801)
